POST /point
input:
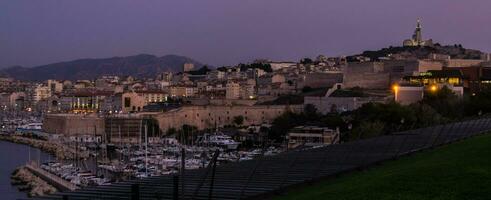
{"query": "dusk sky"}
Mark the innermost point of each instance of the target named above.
(225, 32)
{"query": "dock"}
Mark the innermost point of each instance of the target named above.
(56, 181)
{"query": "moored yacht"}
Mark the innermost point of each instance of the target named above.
(31, 126)
(219, 140)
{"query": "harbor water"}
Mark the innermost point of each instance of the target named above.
(12, 156)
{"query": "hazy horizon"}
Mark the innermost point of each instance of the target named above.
(225, 32)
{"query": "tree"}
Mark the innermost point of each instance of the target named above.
(310, 111)
(306, 89)
(367, 129)
(283, 123)
(445, 102)
(391, 114)
(425, 115)
(478, 102)
(222, 69)
(264, 66)
(186, 133)
(290, 82)
(334, 120)
(306, 61)
(238, 120)
(201, 71)
(171, 131)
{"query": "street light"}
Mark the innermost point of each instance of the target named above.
(396, 90)
(433, 88)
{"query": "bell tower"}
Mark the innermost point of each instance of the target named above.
(417, 36)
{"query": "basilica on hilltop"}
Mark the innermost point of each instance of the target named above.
(417, 38)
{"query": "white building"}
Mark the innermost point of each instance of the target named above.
(41, 92)
(330, 102)
(136, 100)
(232, 91)
(183, 91)
(280, 65)
(312, 136)
(55, 86)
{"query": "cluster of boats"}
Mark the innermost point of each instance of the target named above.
(106, 163)
(10, 125)
(120, 162)
(131, 162)
(161, 159)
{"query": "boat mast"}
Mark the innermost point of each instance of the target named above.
(96, 152)
(76, 148)
(146, 150)
(128, 143)
(140, 135)
(29, 159)
(120, 144)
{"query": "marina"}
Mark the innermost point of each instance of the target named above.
(79, 162)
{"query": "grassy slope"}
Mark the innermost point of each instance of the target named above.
(457, 171)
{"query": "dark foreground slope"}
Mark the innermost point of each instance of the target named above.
(457, 171)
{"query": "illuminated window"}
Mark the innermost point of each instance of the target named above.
(454, 81)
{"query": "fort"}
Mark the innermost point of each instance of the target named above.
(202, 117)
(218, 116)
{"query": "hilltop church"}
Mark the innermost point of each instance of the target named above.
(417, 39)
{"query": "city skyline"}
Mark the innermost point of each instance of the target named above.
(226, 33)
(230, 99)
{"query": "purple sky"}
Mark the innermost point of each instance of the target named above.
(221, 32)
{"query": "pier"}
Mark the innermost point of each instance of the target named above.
(52, 179)
(61, 150)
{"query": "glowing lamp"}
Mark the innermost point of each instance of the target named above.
(433, 88)
(395, 88)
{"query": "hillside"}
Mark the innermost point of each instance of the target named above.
(454, 51)
(457, 171)
(142, 65)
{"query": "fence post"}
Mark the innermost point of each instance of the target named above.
(486, 124)
(466, 129)
(321, 163)
(371, 150)
(453, 132)
(212, 181)
(389, 145)
(474, 130)
(401, 146)
(135, 191)
(208, 168)
(438, 136)
(175, 193)
(183, 167)
(413, 147)
(246, 184)
(482, 126)
(351, 145)
(476, 127)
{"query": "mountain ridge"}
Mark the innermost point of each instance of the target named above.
(140, 65)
